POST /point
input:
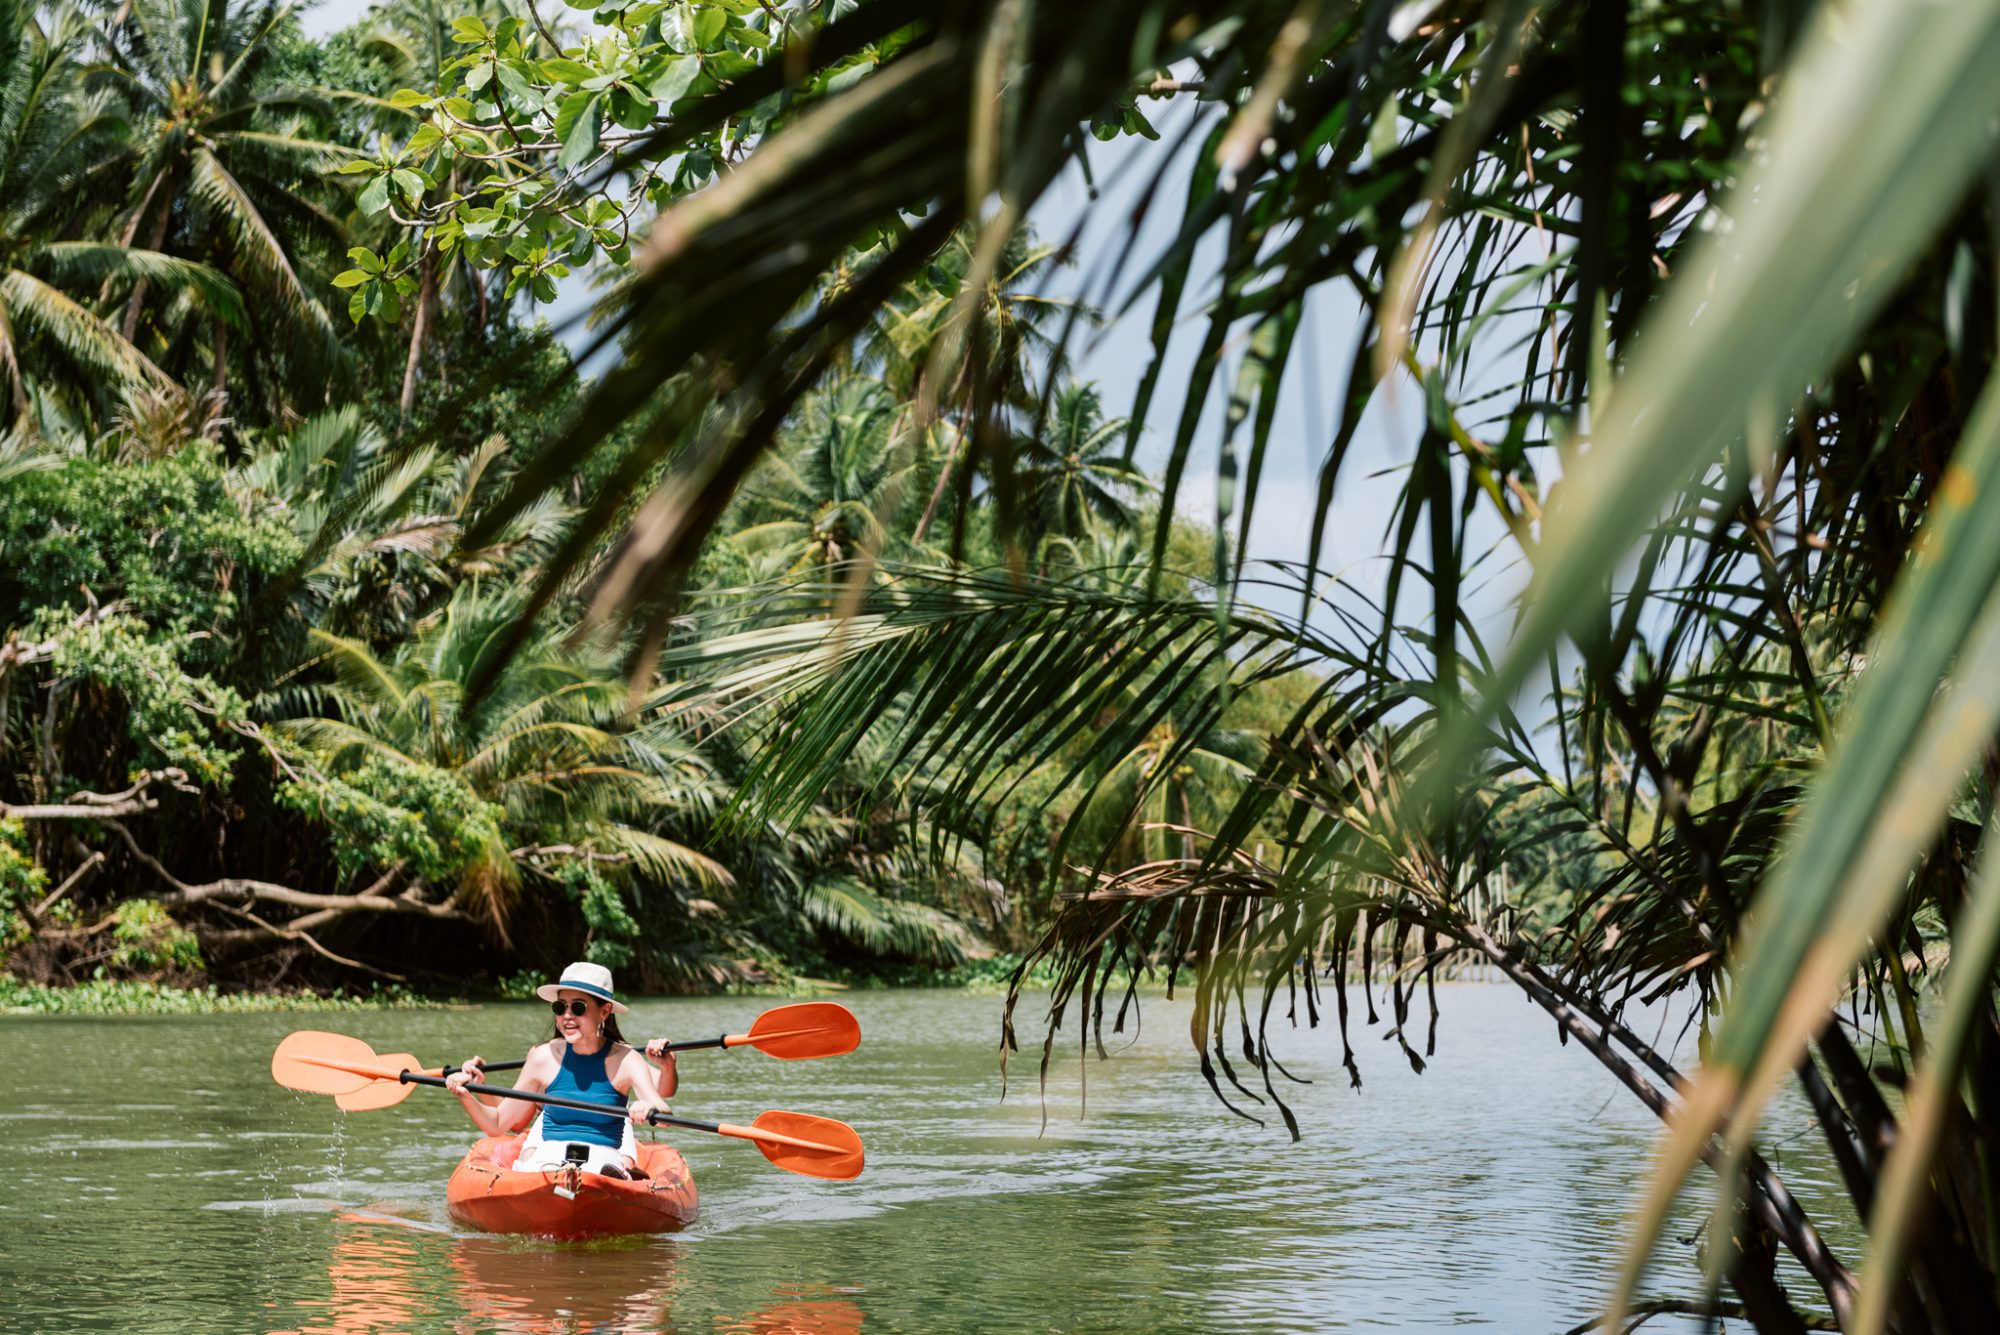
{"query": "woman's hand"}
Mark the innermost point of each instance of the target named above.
(657, 1049)
(639, 1109)
(472, 1071)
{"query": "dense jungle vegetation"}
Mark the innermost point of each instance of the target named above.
(833, 626)
(244, 621)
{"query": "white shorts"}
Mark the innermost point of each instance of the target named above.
(538, 1154)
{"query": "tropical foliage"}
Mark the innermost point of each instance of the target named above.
(832, 622)
(1757, 387)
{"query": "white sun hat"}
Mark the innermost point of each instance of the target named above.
(593, 979)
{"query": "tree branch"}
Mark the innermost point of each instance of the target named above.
(134, 801)
(326, 907)
(70, 882)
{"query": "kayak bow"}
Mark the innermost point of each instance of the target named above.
(488, 1194)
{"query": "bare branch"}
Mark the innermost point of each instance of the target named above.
(325, 908)
(70, 882)
(134, 801)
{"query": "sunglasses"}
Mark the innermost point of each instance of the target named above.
(577, 1008)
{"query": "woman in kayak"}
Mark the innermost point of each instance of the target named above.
(586, 1059)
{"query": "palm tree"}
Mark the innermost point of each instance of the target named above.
(51, 137)
(1075, 471)
(972, 343)
(419, 781)
(223, 167)
(822, 501)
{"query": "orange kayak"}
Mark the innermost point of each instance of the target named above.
(487, 1194)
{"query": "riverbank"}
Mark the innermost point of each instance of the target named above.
(138, 997)
(128, 997)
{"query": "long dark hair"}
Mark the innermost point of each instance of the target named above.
(611, 1034)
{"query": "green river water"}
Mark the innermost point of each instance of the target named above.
(154, 1179)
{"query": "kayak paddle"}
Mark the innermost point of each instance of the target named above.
(793, 1033)
(322, 1063)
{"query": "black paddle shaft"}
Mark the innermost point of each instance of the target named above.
(671, 1047)
(557, 1101)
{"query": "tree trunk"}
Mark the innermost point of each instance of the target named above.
(154, 241)
(218, 387)
(426, 302)
(937, 493)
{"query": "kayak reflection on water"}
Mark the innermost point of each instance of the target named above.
(382, 1277)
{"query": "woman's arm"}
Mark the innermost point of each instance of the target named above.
(506, 1116)
(635, 1079)
(670, 1078)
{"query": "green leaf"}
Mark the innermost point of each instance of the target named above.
(356, 168)
(366, 259)
(469, 30)
(671, 83)
(350, 278)
(407, 97)
(725, 65)
(564, 70)
(578, 123)
(375, 196)
(426, 138)
(708, 26)
(1383, 133)
(357, 306)
(630, 110)
(518, 82)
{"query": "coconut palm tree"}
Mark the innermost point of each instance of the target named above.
(821, 502)
(225, 168)
(1074, 469)
(973, 343)
(415, 777)
(52, 136)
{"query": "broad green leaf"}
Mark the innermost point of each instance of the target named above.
(426, 138)
(520, 86)
(350, 278)
(671, 83)
(630, 110)
(578, 122)
(374, 196)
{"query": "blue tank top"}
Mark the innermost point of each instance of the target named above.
(583, 1077)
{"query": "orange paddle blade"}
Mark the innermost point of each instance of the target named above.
(802, 1143)
(316, 1063)
(380, 1093)
(809, 1029)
